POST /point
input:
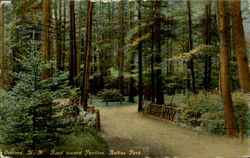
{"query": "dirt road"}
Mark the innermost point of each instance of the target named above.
(128, 132)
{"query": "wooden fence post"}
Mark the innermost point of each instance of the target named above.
(241, 132)
(163, 111)
(98, 123)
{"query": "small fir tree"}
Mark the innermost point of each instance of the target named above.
(30, 120)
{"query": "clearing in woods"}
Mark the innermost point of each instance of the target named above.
(126, 130)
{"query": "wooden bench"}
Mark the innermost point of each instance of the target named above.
(164, 111)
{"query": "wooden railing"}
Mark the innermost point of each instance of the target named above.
(95, 111)
(163, 111)
(195, 116)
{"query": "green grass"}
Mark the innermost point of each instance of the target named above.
(76, 144)
(81, 142)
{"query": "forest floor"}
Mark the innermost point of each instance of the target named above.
(126, 130)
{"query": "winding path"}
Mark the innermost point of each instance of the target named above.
(125, 130)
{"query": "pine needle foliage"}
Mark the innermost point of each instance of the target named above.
(29, 118)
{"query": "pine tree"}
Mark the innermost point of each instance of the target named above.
(30, 119)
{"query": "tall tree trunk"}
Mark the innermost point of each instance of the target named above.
(46, 56)
(159, 92)
(130, 7)
(73, 66)
(140, 60)
(240, 46)
(56, 31)
(131, 90)
(209, 22)
(152, 68)
(79, 38)
(64, 35)
(189, 37)
(58, 35)
(84, 99)
(190, 46)
(2, 48)
(225, 51)
(121, 47)
(102, 53)
(52, 29)
(152, 61)
(207, 73)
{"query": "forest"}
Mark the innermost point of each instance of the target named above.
(91, 77)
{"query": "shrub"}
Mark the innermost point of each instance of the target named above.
(207, 111)
(85, 116)
(240, 105)
(111, 95)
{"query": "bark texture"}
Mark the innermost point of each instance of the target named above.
(46, 56)
(140, 61)
(152, 60)
(84, 100)
(225, 51)
(58, 21)
(64, 35)
(240, 46)
(207, 73)
(158, 59)
(131, 90)
(73, 66)
(79, 38)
